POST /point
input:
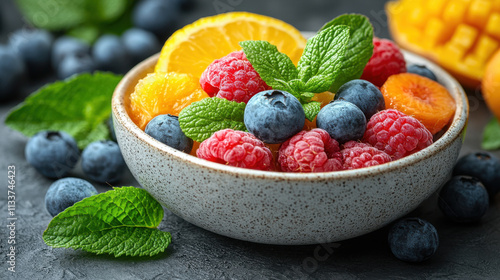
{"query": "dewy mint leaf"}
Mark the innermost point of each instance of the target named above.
(359, 49)
(491, 135)
(274, 67)
(320, 64)
(311, 109)
(202, 118)
(120, 222)
(79, 106)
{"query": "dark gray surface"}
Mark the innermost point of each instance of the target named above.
(465, 252)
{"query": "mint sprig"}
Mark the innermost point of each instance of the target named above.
(119, 222)
(491, 135)
(79, 106)
(336, 55)
(359, 48)
(201, 119)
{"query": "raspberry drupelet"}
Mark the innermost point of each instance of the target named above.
(358, 155)
(386, 60)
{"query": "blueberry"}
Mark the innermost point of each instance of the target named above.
(12, 72)
(140, 44)
(463, 199)
(63, 193)
(482, 165)
(102, 161)
(413, 240)
(75, 64)
(65, 46)
(34, 46)
(273, 116)
(186, 5)
(421, 70)
(166, 129)
(156, 16)
(52, 153)
(363, 94)
(110, 54)
(343, 120)
(111, 128)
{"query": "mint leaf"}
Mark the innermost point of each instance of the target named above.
(322, 59)
(274, 67)
(491, 135)
(58, 15)
(359, 49)
(202, 118)
(79, 106)
(120, 222)
(311, 109)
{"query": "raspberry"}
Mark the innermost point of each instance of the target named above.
(357, 155)
(233, 78)
(386, 60)
(396, 134)
(310, 151)
(236, 148)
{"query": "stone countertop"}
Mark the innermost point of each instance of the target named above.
(465, 252)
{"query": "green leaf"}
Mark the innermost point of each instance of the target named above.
(274, 67)
(491, 135)
(119, 222)
(320, 64)
(202, 118)
(311, 109)
(79, 106)
(57, 15)
(85, 33)
(359, 49)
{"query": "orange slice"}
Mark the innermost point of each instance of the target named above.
(491, 85)
(420, 97)
(163, 93)
(192, 48)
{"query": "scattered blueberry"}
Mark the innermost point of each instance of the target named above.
(65, 46)
(102, 161)
(482, 165)
(140, 44)
(52, 153)
(186, 5)
(35, 47)
(363, 94)
(12, 72)
(110, 54)
(413, 240)
(75, 64)
(166, 129)
(273, 116)
(463, 199)
(111, 128)
(421, 70)
(343, 120)
(156, 16)
(63, 193)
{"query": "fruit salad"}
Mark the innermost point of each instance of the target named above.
(250, 91)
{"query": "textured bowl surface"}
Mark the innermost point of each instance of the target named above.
(286, 208)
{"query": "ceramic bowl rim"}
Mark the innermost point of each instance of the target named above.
(458, 124)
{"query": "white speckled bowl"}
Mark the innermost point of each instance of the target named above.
(286, 208)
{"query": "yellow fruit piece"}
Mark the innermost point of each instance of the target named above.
(460, 35)
(163, 93)
(192, 48)
(491, 85)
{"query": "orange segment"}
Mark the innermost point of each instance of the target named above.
(491, 85)
(420, 97)
(192, 48)
(163, 93)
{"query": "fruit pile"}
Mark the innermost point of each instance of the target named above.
(34, 53)
(261, 101)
